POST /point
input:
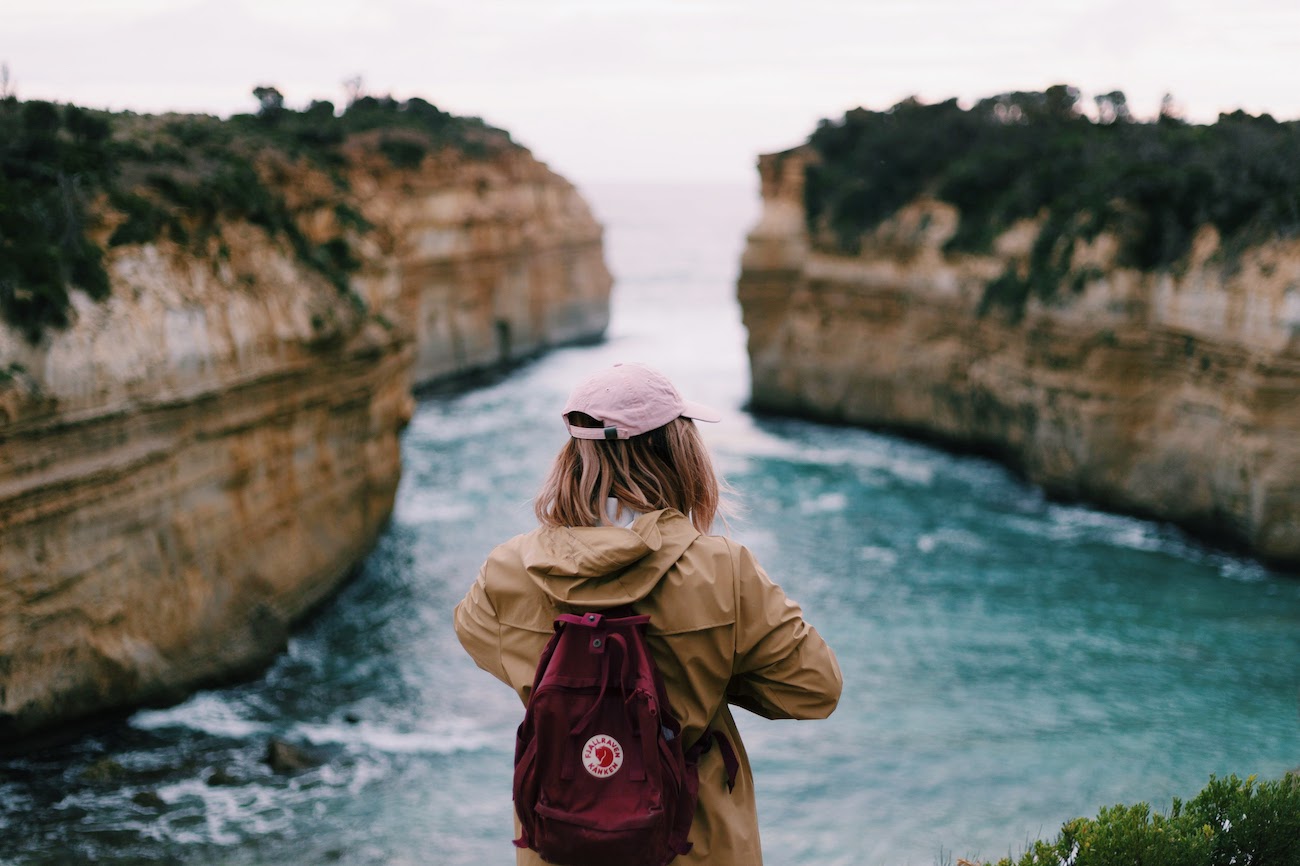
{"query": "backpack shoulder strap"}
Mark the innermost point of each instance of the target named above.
(729, 760)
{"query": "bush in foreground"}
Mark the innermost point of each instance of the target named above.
(1230, 822)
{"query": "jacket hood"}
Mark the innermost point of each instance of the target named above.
(606, 566)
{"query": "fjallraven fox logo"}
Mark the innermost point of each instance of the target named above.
(602, 756)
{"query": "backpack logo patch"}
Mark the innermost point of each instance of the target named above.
(602, 757)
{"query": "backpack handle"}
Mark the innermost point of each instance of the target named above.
(595, 619)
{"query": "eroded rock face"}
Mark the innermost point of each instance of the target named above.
(493, 260)
(1169, 395)
(203, 457)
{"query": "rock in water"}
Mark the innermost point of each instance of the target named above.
(223, 778)
(105, 771)
(285, 758)
(149, 800)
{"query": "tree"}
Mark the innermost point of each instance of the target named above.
(1113, 108)
(271, 101)
(1170, 113)
(1061, 102)
(353, 88)
(320, 109)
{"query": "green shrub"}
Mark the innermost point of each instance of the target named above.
(144, 219)
(403, 152)
(1035, 155)
(181, 177)
(1230, 823)
(52, 160)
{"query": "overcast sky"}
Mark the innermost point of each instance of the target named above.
(652, 89)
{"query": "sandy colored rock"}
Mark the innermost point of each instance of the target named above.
(203, 457)
(1171, 395)
(483, 261)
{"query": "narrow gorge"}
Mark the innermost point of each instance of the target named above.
(196, 454)
(1169, 391)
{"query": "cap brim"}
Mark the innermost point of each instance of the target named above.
(700, 412)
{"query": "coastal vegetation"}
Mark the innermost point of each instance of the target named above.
(75, 182)
(1040, 156)
(1229, 823)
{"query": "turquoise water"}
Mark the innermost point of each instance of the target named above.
(1009, 662)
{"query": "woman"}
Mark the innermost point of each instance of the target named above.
(624, 519)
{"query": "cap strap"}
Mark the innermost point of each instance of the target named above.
(611, 432)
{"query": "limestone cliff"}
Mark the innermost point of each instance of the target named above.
(198, 459)
(486, 261)
(1174, 395)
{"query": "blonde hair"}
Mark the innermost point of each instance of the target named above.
(669, 467)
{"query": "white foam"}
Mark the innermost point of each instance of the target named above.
(427, 506)
(958, 539)
(447, 736)
(825, 504)
(207, 712)
(880, 555)
(1071, 522)
(230, 814)
(358, 777)
(1241, 570)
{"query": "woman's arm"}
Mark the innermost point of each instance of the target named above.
(479, 630)
(782, 668)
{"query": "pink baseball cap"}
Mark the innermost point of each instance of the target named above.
(628, 400)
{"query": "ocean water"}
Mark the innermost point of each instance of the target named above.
(1009, 662)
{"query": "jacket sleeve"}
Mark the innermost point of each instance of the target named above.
(478, 628)
(782, 668)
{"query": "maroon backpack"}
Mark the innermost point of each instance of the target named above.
(600, 773)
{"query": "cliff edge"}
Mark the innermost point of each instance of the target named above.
(198, 451)
(1170, 392)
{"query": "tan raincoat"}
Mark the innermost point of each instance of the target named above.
(720, 631)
